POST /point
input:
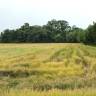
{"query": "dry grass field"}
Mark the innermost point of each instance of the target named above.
(50, 69)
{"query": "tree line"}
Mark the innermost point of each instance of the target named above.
(58, 31)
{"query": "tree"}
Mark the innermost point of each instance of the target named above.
(91, 33)
(76, 35)
(57, 30)
(53, 31)
(6, 36)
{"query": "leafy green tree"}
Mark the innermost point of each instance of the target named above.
(53, 31)
(57, 30)
(91, 33)
(76, 35)
(6, 36)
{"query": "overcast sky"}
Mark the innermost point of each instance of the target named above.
(14, 13)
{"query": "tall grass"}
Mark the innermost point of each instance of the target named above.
(54, 92)
(47, 66)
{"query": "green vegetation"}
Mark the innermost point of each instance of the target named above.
(58, 31)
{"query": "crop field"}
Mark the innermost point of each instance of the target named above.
(48, 69)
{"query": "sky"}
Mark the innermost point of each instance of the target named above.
(14, 13)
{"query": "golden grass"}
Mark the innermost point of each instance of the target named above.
(47, 66)
(59, 57)
(54, 92)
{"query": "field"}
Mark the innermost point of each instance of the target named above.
(76, 92)
(47, 69)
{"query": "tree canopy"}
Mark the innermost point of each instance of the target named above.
(53, 31)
